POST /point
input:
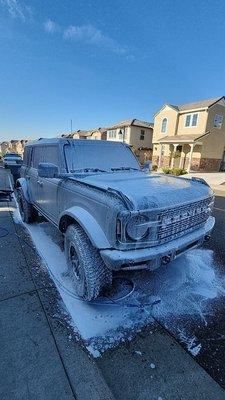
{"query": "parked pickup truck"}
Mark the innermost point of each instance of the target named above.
(113, 215)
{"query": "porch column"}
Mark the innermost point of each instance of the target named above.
(180, 163)
(174, 151)
(160, 156)
(190, 157)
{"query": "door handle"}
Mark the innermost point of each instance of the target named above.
(40, 183)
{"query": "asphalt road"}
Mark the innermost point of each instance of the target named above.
(208, 330)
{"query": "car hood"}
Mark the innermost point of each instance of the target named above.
(150, 190)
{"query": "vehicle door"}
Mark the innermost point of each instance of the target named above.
(48, 187)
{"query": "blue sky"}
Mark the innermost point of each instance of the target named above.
(102, 61)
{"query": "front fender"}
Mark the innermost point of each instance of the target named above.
(89, 225)
(21, 182)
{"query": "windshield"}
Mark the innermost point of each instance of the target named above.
(99, 156)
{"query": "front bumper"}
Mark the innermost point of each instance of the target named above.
(153, 257)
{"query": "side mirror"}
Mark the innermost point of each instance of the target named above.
(48, 170)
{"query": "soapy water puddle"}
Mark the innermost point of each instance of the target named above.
(173, 295)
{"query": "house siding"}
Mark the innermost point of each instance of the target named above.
(199, 128)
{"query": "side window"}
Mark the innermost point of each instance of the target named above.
(50, 155)
(36, 156)
(44, 154)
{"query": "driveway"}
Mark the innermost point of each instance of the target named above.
(212, 178)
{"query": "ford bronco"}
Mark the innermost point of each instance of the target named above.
(114, 216)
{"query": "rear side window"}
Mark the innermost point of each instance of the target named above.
(45, 154)
(36, 156)
(50, 155)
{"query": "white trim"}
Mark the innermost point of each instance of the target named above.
(191, 120)
(193, 110)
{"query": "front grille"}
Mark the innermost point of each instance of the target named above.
(181, 220)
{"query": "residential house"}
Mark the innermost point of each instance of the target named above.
(136, 133)
(15, 146)
(92, 134)
(190, 136)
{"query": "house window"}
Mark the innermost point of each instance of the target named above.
(194, 119)
(191, 120)
(218, 120)
(112, 134)
(188, 120)
(142, 135)
(164, 125)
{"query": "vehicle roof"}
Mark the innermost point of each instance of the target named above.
(63, 140)
(11, 154)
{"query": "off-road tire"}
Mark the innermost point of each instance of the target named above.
(27, 211)
(93, 273)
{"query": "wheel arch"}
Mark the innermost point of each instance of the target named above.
(87, 222)
(22, 183)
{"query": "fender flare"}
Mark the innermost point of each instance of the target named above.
(21, 182)
(87, 222)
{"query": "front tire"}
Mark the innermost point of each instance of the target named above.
(27, 211)
(87, 270)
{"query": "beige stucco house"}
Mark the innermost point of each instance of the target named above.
(92, 134)
(138, 134)
(16, 146)
(190, 136)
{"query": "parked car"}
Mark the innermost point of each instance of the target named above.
(10, 159)
(113, 215)
(13, 161)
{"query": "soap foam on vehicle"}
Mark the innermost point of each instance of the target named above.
(182, 288)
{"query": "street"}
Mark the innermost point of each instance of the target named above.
(158, 335)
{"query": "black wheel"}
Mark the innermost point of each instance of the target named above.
(27, 211)
(87, 270)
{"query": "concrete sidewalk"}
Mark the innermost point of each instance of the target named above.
(40, 358)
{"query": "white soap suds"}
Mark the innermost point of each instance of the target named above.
(184, 287)
(191, 342)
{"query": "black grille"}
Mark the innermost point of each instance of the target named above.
(180, 220)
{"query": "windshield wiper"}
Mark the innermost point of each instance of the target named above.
(124, 169)
(89, 170)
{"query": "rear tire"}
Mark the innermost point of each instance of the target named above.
(86, 267)
(28, 213)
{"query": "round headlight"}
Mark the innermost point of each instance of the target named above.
(137, 227)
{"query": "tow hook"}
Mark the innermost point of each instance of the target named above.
(166, 259)
(207, 238)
